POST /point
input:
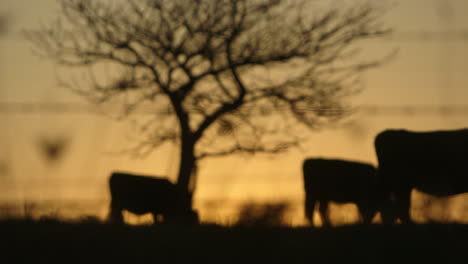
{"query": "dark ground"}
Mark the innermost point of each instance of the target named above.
(49, 241)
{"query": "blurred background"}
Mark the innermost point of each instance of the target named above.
(57, 151)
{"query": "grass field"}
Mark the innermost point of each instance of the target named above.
(45, 241)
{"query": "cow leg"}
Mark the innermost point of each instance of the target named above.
(309, 207)
(387, 215)
(403, 205)
(324, 213)
(387, 208)
(365, 213)
(115, 214)
(157, 218)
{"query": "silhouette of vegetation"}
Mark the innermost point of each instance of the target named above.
(59, 241)
(29, 210)
(7, 211)
(90, 219)
(215, 69)
(266, 215)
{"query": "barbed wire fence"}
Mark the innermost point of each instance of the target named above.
(444, 109)
(446, 34)
(61, 108)
(444, 86)
(445, 13)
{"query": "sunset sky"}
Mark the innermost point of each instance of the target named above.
(428, 70)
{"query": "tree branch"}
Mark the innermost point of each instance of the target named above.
(251, 150)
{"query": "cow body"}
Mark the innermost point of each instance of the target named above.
(431, 162)
(340, 181)
(144, 194)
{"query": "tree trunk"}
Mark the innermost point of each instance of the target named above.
(187, 164)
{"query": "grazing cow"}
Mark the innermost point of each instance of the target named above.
(143, 194)
(431, 162)
(340, 181)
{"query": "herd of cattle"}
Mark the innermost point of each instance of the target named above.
(431, 162)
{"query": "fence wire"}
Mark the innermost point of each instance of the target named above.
(368, 110)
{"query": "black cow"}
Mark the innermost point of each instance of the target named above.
(340, 181)
(143, 194)
(431, 162)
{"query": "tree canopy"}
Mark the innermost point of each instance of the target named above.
(217, 76)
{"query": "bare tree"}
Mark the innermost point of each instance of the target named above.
(219, 76)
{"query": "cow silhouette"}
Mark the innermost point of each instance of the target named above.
(340, 181)
(145, 194)
(434, 162)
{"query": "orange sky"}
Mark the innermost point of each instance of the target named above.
(424, 72)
